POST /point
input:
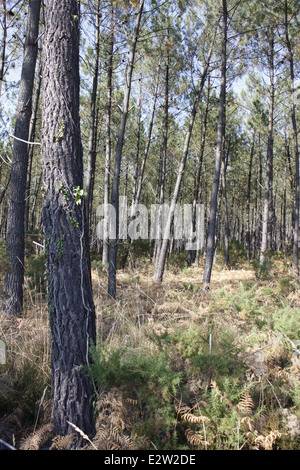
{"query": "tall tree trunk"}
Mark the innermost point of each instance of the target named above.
(248, 231)
(71, 308)
(268, 204)
(160, 263)
(113, 245)
(296, 148)
(195, 253)
(163, 162)
(105, 252)
(147, 147)
(137, 151)
(35, 192)
(32, 129)
(92, 144)
(16, 212)
(210, 246)
(225, 209)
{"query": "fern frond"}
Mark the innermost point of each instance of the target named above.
(266, 442)
(37, 438)
(63, 442)
(194, 419)
(131, 401)
(195, 438)
(113, 423)
(246, 403)
(222, 396)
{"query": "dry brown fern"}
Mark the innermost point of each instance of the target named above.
(113, 422)
(196, 439)
(37, 438)
(63, 442)
(187, 414)
(265, 442)
(222, 396)
(246, 404)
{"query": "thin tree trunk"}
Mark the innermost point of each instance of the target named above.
(71, 307)
(210, 246)
(105, 252)
(194, 254)
(38, 182)
(296, 148)
(163, 162)
(248, 232)
(113, 246)
(146, 152)
(32, 129)
(5, 188)
(137, 151)
(16, 211)
(92, 144)
(225, 206)
(160, 263)
(268, 205)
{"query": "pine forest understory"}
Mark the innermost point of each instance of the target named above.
(149, 225)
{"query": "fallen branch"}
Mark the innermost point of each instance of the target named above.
(7, 445)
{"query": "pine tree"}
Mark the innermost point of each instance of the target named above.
(71, 307)
(15, 238)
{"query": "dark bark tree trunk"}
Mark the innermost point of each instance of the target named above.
(16, 211)
(71, 308)
(210, 246)
(113, 245)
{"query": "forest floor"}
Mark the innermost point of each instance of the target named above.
(174, 368)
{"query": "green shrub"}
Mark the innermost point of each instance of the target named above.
(286, 320)
(237, 253)
(262, 270)
(177, 261)
(148, 377)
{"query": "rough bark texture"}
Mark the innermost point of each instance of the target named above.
(16, 210)
(71, 308)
